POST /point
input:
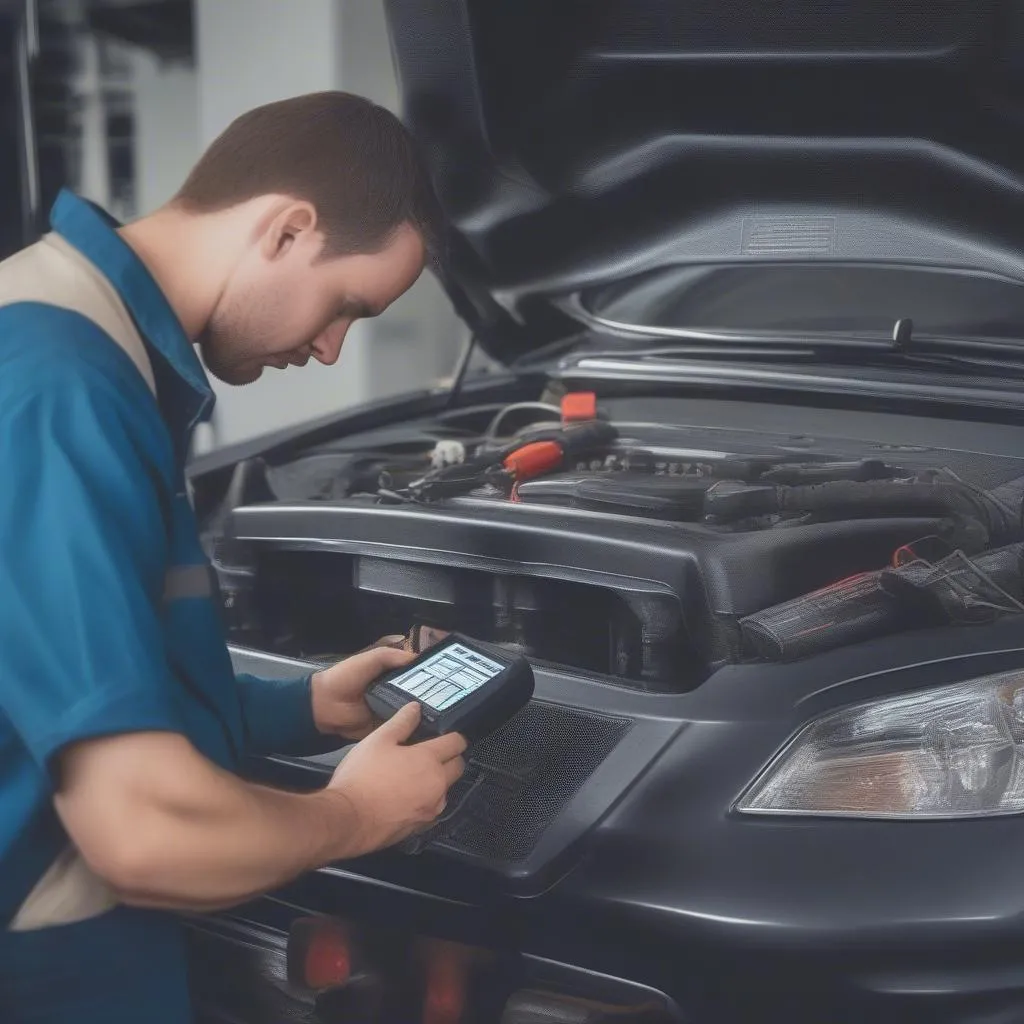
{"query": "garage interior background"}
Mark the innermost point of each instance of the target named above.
(126, 94)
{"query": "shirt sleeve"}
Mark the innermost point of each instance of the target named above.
(278, 715)
(83, 550)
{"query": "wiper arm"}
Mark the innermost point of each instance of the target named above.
(851, 357)
(900, 352)
(692, 340)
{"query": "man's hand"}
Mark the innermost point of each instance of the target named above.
(395, 790)
(339, 705)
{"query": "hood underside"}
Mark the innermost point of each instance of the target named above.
(575, 143)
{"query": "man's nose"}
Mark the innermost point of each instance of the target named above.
(327, 347)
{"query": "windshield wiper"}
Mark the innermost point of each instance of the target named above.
(774, 343)
(903, 351)
(849, 357)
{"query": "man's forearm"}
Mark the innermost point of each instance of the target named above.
(178, 832)
(269, 839)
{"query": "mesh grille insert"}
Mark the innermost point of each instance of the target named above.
(519, 779)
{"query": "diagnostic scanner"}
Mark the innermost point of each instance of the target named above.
(461, 685)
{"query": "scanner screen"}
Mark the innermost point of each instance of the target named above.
(447, 677)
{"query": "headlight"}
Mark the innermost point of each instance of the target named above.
(954, 752)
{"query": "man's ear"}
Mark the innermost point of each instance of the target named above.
(292, 224)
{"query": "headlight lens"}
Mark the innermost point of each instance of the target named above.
(954, 752)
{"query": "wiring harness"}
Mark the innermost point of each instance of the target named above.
(503, 467)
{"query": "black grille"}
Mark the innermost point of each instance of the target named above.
(519, 779)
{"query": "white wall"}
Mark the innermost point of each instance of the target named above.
(419, 338)
(166, 128)
(251, 52)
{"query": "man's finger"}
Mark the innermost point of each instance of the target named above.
(401, 725)
(453, 770)
(445, 747)
(393, 640)
(377, 660)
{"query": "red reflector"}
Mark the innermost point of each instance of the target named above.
(323, 951)
(447, 972)
(533, 459)
(579, 405)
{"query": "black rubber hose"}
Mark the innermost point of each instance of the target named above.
(963, 589)
(836, 616)
(883, 602)
(856, 500)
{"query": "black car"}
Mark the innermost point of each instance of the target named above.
(737, 461)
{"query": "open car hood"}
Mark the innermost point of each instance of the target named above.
(578, 144)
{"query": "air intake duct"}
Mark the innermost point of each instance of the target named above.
(847, 499)
(954, 590)
(840, 614)
(961, 590)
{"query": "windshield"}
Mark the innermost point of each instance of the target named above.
(812, 300)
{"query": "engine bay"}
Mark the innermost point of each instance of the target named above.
(621, 539)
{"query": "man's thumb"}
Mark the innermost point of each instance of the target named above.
(402, 724)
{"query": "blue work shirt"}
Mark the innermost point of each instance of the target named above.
(103, 628)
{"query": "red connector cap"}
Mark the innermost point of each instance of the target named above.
(533, 459)
(579, 405)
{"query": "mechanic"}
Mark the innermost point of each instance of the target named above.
(122, 723)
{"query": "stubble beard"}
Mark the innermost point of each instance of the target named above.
(231, 355)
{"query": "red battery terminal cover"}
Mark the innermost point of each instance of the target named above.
(578, 406)
(534, 459)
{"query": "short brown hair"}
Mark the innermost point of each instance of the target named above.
(353, 160)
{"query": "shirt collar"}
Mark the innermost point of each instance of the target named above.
(93, 232)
